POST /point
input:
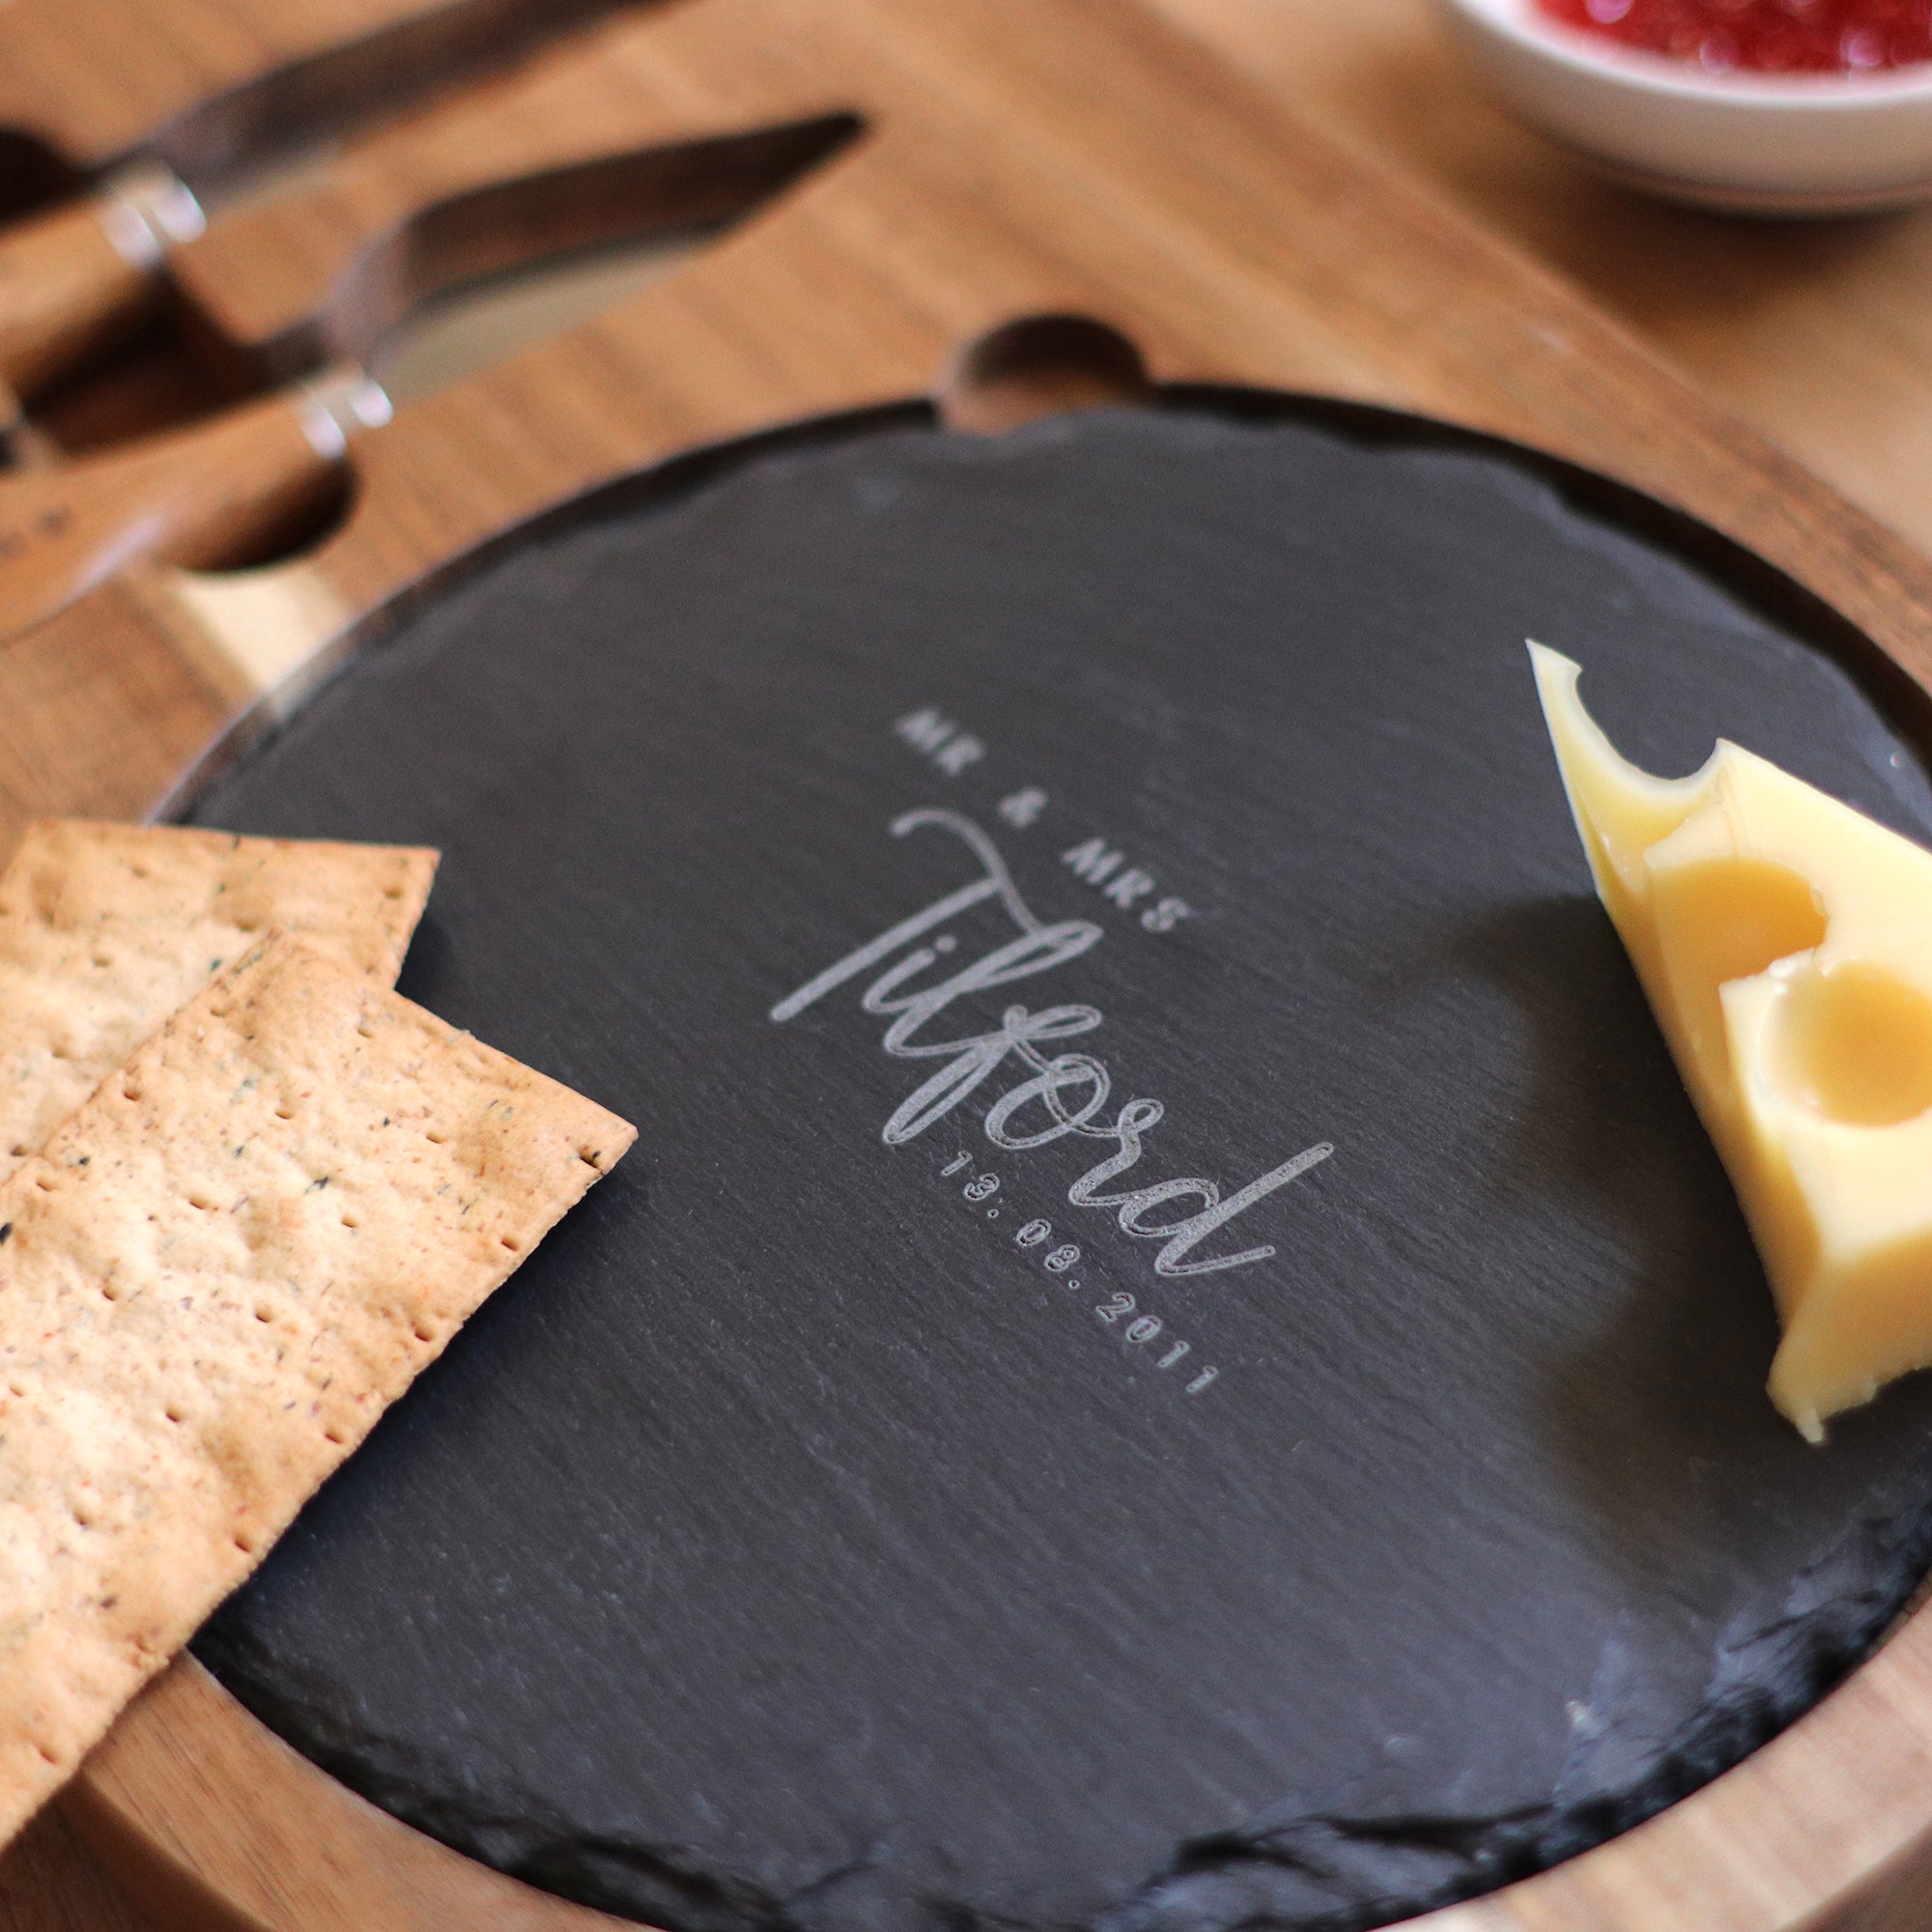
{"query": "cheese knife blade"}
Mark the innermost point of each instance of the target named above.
(75, 279)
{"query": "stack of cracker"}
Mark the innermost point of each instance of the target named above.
(246, 1192)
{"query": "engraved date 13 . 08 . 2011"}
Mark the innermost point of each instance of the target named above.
(1137, 1330)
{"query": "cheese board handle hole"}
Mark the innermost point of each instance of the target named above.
(1040, 365)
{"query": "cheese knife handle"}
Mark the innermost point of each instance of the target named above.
(73, 279)
(203, 497)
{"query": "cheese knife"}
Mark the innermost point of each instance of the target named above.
(163, 105)
(214, 492)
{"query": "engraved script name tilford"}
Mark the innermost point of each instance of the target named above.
(1055, 1083)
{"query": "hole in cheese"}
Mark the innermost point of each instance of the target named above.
(1854, 1044)
(1728, 919)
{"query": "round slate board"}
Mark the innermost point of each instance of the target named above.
(890, 1503)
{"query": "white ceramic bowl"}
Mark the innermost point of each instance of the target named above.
(1748, 143)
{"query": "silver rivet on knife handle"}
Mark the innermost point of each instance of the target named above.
(333, 405)
(145, 209)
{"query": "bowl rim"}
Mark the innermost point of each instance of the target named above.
(1523, 23)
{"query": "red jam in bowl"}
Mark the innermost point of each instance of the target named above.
(1762, 36)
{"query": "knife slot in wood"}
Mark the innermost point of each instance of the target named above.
(219, 494)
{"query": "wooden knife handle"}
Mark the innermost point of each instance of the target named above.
(207, 495)
(66, 290)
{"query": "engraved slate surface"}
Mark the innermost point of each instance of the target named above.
(810, 1537)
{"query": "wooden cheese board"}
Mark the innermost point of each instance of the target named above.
(1004, 236)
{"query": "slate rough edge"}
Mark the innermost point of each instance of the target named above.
(1337, 1869)
(1329, 1872)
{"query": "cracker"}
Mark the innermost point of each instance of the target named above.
(213, 1279)
(105, 929)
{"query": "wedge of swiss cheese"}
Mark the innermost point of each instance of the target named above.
(1786, 942)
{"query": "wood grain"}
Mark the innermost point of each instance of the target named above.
(49, 1882)
(1006, 172)
(1242, 249)
(1817, 334)
(65, 291)
(302, 1850)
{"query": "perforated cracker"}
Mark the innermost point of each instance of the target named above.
(213, 1280)
(105, 929)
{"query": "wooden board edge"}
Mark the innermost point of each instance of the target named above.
(207, 1819)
